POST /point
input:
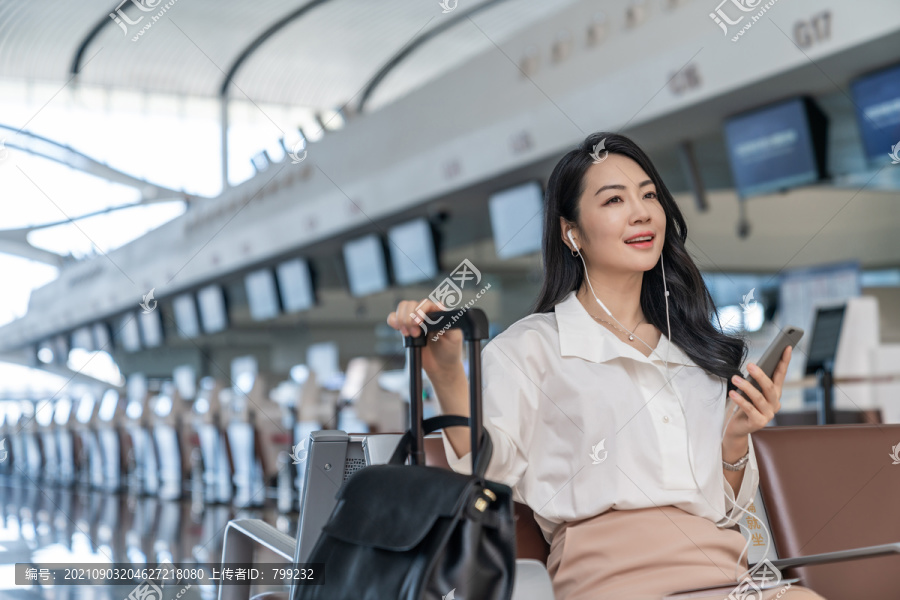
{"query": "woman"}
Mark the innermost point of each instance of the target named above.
(633, 451)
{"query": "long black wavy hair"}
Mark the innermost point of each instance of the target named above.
(691, 308)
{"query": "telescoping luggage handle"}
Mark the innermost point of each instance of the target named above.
(474, 326)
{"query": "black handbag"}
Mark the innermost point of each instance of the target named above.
(416, 532)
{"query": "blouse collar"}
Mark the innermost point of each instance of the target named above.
(580, 335)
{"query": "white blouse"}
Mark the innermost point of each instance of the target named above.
(582, 422)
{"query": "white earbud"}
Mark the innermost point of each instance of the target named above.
(572, 239)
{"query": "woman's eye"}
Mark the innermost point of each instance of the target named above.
(617, 198)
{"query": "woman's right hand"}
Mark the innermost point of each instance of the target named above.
(441, 359)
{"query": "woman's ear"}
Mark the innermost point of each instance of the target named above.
(566, 229)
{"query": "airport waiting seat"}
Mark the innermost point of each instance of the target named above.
(830, 493)
(243, 536)
(841, 417)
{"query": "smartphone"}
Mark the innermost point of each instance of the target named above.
(789, 336)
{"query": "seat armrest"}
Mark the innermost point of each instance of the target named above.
(839, 556)
(532, 581)
(815, 559)
(242, 537)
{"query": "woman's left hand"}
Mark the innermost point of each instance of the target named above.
(755, 413)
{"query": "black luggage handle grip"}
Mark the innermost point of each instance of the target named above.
(474, 325)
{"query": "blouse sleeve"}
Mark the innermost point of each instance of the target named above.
(746, 493)
(509, 410)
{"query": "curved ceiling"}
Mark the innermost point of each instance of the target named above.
(320, 60)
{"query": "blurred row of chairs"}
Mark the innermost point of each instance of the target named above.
(224, 444)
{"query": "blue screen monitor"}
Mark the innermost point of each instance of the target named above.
(296, 286)
(130, 333)
(186, 319)
(102, 336)
(413, 252)
(825, 336)
(877, 100)
(366, 265)
(262, 295)
(213, 310)
(516, 220)
(777, 147)
(151, 329)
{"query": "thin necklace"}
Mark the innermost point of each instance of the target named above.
(630, 334)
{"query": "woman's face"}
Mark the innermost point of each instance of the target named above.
(619, 202)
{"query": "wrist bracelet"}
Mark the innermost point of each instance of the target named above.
(739, 465)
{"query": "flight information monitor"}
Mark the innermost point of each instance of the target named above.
(413, 252)
(295, 285)
(877, 100)
(777, 147)
(130, 333)
(366, 265)
(262, 295)
(213, 311)
(825, 336)
(516, 220)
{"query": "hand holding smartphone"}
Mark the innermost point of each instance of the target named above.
(789, 336)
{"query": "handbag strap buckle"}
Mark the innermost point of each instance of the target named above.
(481, 504)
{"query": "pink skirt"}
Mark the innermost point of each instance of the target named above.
(646, 554)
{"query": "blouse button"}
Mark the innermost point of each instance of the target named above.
(665, 419)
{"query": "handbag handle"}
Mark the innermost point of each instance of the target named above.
(474, 325)
(402, 451)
